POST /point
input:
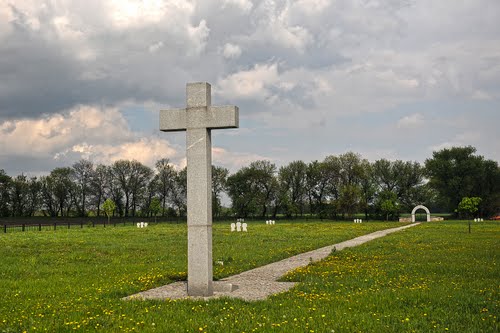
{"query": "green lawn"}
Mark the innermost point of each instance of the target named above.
(434, 277)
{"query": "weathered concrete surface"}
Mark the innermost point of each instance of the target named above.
(198, 119)
(260, 283)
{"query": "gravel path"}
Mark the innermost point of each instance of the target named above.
(259, 283)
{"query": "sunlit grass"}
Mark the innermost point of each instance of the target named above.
(434, 277)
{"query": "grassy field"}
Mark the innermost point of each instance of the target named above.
(434, 277)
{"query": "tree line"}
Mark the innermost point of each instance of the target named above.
(336, 187)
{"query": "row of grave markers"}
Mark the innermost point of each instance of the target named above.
(238, 226)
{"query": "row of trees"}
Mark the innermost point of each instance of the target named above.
(83, 188)
(337, 187)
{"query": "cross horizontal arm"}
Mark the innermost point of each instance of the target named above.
(223, 117)
(213, 117)
(173, 120)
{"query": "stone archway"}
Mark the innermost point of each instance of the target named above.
(420, 207)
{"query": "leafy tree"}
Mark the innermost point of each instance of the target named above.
(147, 196)
(48, 198)
(322, 179)
(82, 174)
(122, 173)
(139, 183)
(469, 206)
(239, 189)
(388, 204)
(99, 183)
(489, 187)
(405, 179)
(253, 189)
(33, 196)
(63, 189)
(351, 169)
(385, 176)
(457, 172)
(164, 180)
(349, 200)
(262, 174)
(367, 188)
(114, 190)
(109, 207)
(155, 207)
(351, 173)
(293, 177)
(315, 185)
(5, 184)
(132, 177)
(332, 169)
(278, 197)
(410, 180)
(219, 180)
(19, 195)
(179, 192)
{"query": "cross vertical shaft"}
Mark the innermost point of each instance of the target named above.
(199, 219)
(198, 119)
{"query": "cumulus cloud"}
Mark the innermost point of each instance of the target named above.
(145, 150)
(231, 51)
(252, 83)
(99, 134)
(274, 24)
(292, 66)
(199, 34)
(310, 7)
(244, 5)
(133, 13)
(95, 52)
(51, 134)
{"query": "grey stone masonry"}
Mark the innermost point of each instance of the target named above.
(198, 119)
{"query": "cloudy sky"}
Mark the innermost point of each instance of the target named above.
(392, 79)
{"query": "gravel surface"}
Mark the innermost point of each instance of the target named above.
(260, 282)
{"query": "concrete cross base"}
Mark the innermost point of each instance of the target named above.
(179, 290)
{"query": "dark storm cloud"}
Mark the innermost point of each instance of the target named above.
(306, 69)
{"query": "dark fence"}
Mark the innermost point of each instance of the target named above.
(41, 223)
(45, 223)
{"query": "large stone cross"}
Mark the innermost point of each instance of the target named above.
(198, 119)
